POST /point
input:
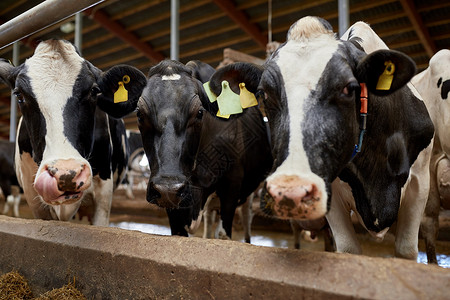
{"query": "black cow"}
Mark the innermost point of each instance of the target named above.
(193, 153)
(69, 153)
(7, 174)
(320, 128)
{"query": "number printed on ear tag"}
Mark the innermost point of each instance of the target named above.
(385, 79)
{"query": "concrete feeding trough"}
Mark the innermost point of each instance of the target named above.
(112, 263)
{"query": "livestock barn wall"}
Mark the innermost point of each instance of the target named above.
(112, 263)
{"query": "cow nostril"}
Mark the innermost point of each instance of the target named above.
(52, 170)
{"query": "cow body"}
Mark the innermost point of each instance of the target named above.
(192, 153)
(388, 181)
(68, 152)
(8, 179)
(434, 85)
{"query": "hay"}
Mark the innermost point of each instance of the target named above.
(67, 292)
(14, 286)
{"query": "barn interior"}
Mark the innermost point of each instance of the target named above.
(141, 33)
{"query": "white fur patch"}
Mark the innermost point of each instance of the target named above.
(311, 57)
(171, 77)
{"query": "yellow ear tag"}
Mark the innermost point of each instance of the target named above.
(228, 101)
(247, 98)
(209, 93)
(222, 116)
(385, 79)
(121, 95)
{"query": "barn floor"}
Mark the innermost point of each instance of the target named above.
(139, 215)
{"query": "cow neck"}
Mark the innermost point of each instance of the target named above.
(362, 118)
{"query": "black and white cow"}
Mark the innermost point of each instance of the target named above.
(8, 177)
(434, 85)
(69, 153)
(192, 153)
(316, 113)
(388, 181)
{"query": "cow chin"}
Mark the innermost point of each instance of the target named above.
(290, 197)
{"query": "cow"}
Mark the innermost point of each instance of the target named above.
(331, 114)
(8, 180)
(193, 153)
(136, 167)
(387, 181)
(434, 85)
(70, 154)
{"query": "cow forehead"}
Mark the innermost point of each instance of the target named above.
(53, 70)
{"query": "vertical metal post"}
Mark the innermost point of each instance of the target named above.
(13, 115)
(174, 29)
(343, 11)
(78, 31)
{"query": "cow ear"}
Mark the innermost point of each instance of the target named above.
(234, 74)
(133, 82)
(200, 70)
(378, 68)
(7, 74)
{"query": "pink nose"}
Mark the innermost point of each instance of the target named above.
(295, 198)
(62, 181)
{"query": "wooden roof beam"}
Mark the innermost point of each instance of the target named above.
(243, 21)
(419, 27)
(103, 19)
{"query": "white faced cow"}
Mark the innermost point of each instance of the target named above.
(434, 85)
(388, 180)
(69, 153)
(316, 112)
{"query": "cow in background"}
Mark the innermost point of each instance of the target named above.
(8, 179)
(69, 153)
(434, 85)
(192, 153)
(388, 181)
(138, 167)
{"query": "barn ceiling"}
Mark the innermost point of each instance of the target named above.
(137, 32)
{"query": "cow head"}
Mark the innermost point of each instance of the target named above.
(170, 121)
(58, 92)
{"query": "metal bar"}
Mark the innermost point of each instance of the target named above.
(343, 12)
(39, 17)
(13, 113)
(78, 31)
(174, 29)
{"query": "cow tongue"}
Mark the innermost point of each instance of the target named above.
(46, 186)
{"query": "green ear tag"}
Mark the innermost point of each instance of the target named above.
(209, 93)
(247, 98)
(228, 101)
(121, 95)
(385, 79)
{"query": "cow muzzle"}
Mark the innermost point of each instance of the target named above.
(293, 197)
(63, 181)
(166, 194)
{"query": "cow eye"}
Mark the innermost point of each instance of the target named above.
(19, 96)
(350, 88)
(95, 90)
(199, 114)
(138, 115)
